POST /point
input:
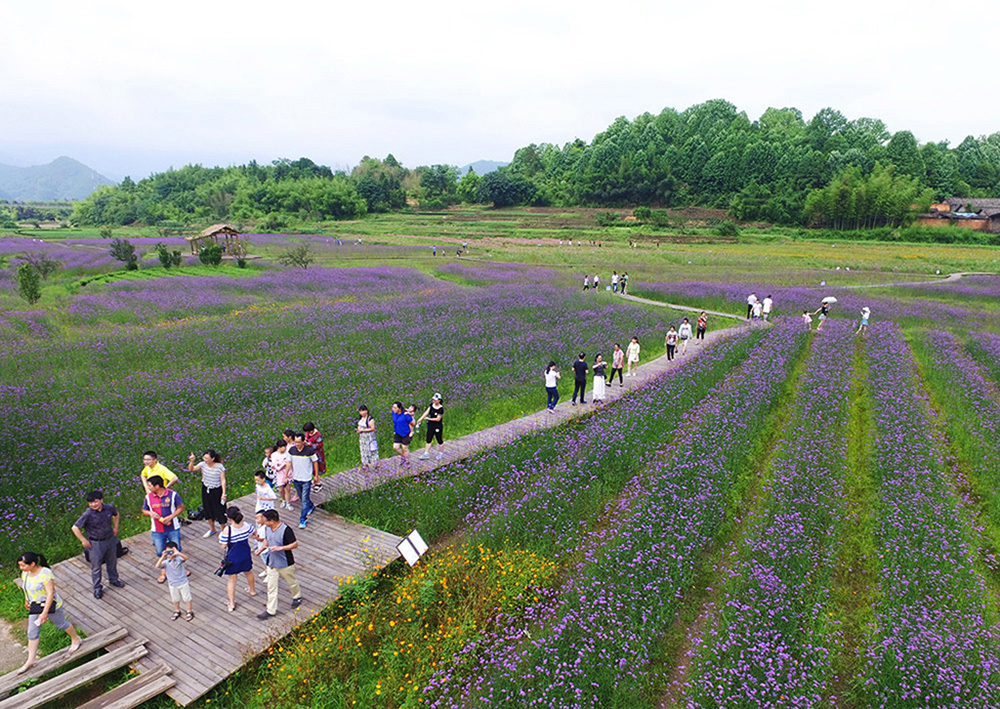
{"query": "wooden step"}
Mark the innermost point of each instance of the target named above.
(75, 678)
(60, 658)
(134, 692)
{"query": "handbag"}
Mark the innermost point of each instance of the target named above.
(224, 564)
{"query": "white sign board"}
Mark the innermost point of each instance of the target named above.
(412, 547)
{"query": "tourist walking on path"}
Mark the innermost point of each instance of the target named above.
(751, 301)
(367, 438)
(614, 281)
(824, 311)
(766, 306)
(702, 326)
(623, 282)
(266, 496)
(632, 355)
(684, 333)
(236, 539)
(43, 604)
(163, 507)
(172, 561)
(580, 370)
(304, 467)
(865, 314)
(597, 281)
(586, 282)
(600, 368)
(670, 342)
(552, 377)
(213, 487)
(152, 466)
(279, 541)
(268, 467)
(100, 522)
(402, 431)
(617, 364)
(315, 439)
(282, 464)
(807, 319)
(434, 415)
(758, 310)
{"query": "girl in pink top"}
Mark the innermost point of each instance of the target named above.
(617, 364)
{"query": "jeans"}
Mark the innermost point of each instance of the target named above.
(670, 352)
(303, 489)
(581, 389)
(553, 397)
(103, 551)
(613, 370)
(160, 540)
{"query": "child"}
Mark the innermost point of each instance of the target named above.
(807, 319)
(260, 535)
(266, 496)
(172, 562)
(282, 463)
(268, 467)
(411, 410)
(315, 439)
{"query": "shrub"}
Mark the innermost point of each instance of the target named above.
(299, 256)
(123, 250)
(42, 264)
(29, 285)
(175, 259)
(211, 255)
(166, 260)
(643, 214)
(727, 228)
(608, 219)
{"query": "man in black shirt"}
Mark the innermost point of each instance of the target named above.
(580, 370)
(100, 522)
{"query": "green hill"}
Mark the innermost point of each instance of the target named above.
(63, 178)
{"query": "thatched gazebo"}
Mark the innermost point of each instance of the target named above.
(229, 234)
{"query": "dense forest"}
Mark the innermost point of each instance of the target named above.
(827, 171)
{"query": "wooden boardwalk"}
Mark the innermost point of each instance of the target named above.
(204, 652)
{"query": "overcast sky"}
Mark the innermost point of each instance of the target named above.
(137, 87)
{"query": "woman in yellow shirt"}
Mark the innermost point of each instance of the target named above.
(42, 603)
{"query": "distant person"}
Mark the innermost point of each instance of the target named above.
(367, 439)
(865, 314)
(305, 465)
(163, 507)
(597, 281)
(43, 604)
(684, 333)
(315, 439)
(807, 319)
(766, 307)
(100, 523)
(670, 342)
(172, 561)
(236, 540)
(614, 281)
(586, 282)
(751, 301)
(580, 370)
(266, 495)
(823, 311)
(617, 364)
(279, 541)
(702, 326)
(435, 250)
(152, 466)
(402, 431)
(552, 377)
(758, 310)
(600, 367)
(624, 282)
(434, 415)
(632, 355)
(213, 487)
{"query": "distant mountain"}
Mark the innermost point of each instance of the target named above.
(481, 167)
(63, 178)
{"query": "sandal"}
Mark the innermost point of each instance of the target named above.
(189, 616)
(176, 615)
(161, 579)
(232, 608)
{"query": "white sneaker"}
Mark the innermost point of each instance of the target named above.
(263, 574)
(207, 534)
(424, 456)
(440, 456)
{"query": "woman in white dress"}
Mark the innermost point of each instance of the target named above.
(600, 366)
(368, 440)
(632, 355)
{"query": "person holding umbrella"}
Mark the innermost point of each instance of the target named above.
(823, 311)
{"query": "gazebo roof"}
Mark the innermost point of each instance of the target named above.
(213, 231)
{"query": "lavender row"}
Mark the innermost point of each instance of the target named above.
(936, 641)
(769, 643)
(587, 645)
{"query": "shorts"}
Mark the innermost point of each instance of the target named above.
(633, 360)
(864, 322)
(56, 617)
(822, 317)
(405, 440)
(433, 433)
(180, 593)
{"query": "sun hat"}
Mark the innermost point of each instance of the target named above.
(436, 397)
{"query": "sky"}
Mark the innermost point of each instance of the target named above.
(131, 88)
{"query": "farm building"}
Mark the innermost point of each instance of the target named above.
(229, 235)
(980, 214)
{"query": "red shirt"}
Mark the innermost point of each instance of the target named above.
(315, 439)
(163, 506)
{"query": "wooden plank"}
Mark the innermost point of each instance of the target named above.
(74, 679)
(134, 692)
(60, 658)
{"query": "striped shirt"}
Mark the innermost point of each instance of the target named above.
(211, 474)
(240, 534)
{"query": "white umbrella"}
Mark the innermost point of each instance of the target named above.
(829, 299)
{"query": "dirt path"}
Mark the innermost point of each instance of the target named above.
(12, 653)
(950, 278)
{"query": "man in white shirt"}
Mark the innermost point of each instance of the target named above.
(768, 303)
(751, 301)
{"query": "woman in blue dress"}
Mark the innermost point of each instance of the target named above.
(236, 539)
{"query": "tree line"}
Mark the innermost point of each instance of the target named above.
(826, 171)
